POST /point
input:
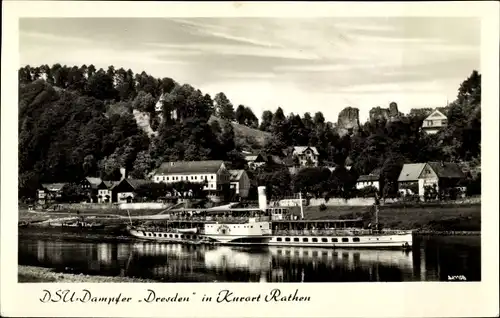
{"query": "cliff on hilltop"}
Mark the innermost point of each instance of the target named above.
(348, 121)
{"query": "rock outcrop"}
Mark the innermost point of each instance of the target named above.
(379, 113)
(348, 121)
(388, 114)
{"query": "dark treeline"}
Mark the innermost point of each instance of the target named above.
(78, 121)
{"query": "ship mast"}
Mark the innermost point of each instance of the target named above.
(377, 203)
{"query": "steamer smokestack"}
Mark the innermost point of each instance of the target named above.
(262, 198)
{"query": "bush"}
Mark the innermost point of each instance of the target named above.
(367, 192)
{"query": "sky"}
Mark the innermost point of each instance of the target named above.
(301, 65)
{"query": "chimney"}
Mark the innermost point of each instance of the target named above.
(123, 173)
(262, 198)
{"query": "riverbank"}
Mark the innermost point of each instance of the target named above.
(423, 217)
(33, 274)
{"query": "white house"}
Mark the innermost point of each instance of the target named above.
(211, 172)
(414, 177)
(306, 155)
(434, 122)
(240, 183)
(369, 180)
(105, 191)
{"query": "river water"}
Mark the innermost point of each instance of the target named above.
(432, 258)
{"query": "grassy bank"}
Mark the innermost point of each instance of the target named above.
(32, 274)
(422, 217)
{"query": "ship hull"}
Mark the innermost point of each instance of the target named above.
(380, 241)
(404, 240)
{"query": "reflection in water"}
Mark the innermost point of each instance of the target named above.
(431, 259)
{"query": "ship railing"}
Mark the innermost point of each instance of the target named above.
(222, 219)
(333, 232)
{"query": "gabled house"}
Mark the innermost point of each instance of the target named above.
(49, 192)
(307, 156)
(212, 173)
(105, 191)
(239, 183)
(414, 177)
(125, 190)
(370, 180)
(89, 185)
(434, 122)
(255, 161)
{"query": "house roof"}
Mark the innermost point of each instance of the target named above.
(447, 169)
(411, 171)
(436, 114)
(301, 149)
(236, 175)
(110, 184)
(368, 177)
(94, 182)
(251, 158)
(53, 186)
(182, 167)
(135, 183)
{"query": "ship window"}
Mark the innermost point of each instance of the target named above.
(315, 239)
(296, 239)
(324, 240)
(154, 234)
(279, 239)
(334, 240)
(251, 226)
(287, 239)
(149, 234)
(305, 239)
(355, 239)
(170, 235)
(176, 236)
(345, 239)
(261, 226)
(182, 236)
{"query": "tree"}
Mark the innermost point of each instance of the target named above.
(89, 165)
(223, 106)
(143, 164)
(267, 117)
(240, 114)
(100, 86)
(144, 102)
(312, 180)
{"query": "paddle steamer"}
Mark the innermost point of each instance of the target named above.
(274, 226)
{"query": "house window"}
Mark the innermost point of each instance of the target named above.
(212, 177)
(444, 122)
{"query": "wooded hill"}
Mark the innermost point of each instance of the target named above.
(78, 121)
